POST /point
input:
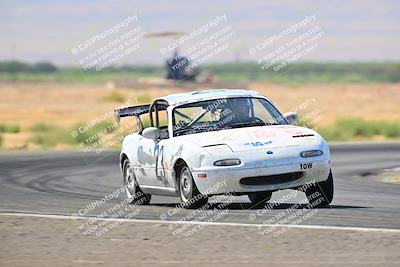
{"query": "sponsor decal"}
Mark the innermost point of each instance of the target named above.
(262, 134)
(257, 144)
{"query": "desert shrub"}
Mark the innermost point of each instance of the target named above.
(114, 97)
(42, 127)
(349, 129)
(9, 128)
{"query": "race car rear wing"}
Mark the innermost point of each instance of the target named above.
(131, 111)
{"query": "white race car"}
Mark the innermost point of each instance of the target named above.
(213, 142)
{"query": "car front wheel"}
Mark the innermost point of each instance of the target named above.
(321, 194)
(132, 189)
(259, 198)
(188, 192)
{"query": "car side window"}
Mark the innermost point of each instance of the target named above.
(159, 118)
(163, 124)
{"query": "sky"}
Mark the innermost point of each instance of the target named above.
(43, 30)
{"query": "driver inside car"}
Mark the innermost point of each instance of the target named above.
(238, 110)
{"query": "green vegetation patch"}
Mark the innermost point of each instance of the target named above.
(41, 127)
(114, 97)
(88, 135)
(48, 136)
(353, 129)
(143, 99)
(9, 128)
(294, 74)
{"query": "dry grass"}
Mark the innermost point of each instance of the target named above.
(27, 104)
(337, 101)
(63, 105)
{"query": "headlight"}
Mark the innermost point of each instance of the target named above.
(218, 149)
(227, 162)
(311, 153)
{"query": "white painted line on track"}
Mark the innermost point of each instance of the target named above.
(309, 227)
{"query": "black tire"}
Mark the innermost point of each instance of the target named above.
(133, 191)
(321, 194)
(259, 198)
(189, 194)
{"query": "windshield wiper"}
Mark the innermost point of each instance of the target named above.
(182, 131)
(195, 130)
(247, 124)
(187, 129)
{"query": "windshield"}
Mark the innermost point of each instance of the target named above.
(228, 113)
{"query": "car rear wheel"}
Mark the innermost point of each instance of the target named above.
(132, 189)
(259, 198)
(188, 192)
(321, 194)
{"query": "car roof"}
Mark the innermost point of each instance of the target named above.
(196, 96)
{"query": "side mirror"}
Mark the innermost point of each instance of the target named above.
(151, 133)
(291, 117)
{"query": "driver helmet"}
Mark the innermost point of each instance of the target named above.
(242, 107)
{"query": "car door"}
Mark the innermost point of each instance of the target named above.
(146, 157)
(160, 167)
(151, 170)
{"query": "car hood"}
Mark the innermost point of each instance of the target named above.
(256, 138)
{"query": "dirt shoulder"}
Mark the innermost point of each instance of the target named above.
(31, 241)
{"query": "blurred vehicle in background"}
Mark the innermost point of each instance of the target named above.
(179, 68)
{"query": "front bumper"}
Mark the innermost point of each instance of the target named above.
(220, 180)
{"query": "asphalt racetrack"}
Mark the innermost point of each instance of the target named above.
(65, 182)
(39, 185)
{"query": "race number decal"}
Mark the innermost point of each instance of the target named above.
(160, 168)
